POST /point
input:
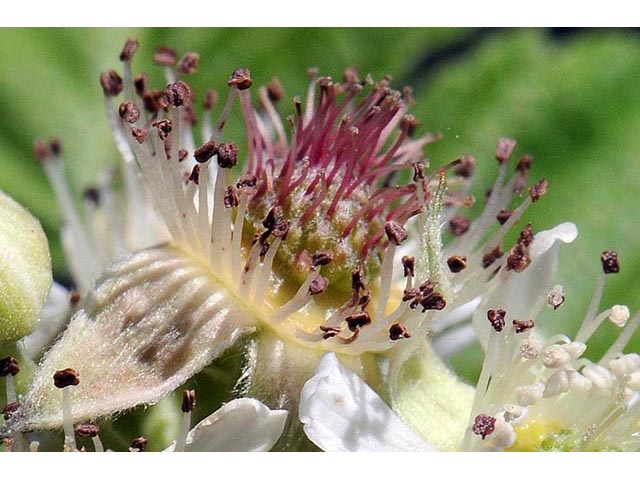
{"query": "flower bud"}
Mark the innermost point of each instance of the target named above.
(25, 270)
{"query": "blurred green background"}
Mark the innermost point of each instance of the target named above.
(570, 98)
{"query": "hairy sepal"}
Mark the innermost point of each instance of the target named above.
(151, 322)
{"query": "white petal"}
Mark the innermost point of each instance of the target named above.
(341, 413)
(53, 317)
(242, 425)
(523, 294)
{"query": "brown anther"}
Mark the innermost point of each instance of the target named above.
(395, 232)
(129, 49)
(195, 175)
(492, 256)
(483, 425)
(539, 189)
(139, 444)
(66, 378)
(182, 155)
(521, 326)
(526, 236)
(408, 265)
(92, 195)
(210, 99)
(457, 263)
(504, 215)
(231, 197)
(466, 166)
(188, 400)
(427, 287)
(227, 155)
(610, 262)
(323, 257)
(329, 332)
(241, 79)
(433, 301)
(275, 91)
(55, 144)
(524, 165)
(418, 171)
(74, 299)
(164, 127)
(358, 320)
(140, 83)
(398, 331)
(518, 259)
(165, 56)
(10, 409)
(504, 149)
(410, 124)
(189, 63)
(275, 223)
(318, 285)
(87, 430)
(129, 112)
(111, 83)
(178, 93)
(140, 134)
(459, 225)
(364, 300)
(496, 319)
(357, 280)
(264, 245)
(411, 294)
(42, 151)
(247, 184)
(155, 100)
(205, 152)
(9, 366)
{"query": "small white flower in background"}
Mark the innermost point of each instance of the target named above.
(318, 245)
(536, 392)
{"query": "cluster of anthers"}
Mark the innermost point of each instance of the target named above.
(330, 239)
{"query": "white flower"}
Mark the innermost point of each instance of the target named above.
(242, 425)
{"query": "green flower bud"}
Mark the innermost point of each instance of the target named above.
(25, 270)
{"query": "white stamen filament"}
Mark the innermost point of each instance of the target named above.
(181, 441)
(589, 324)
(264, 273)
(386, 274)
(236, 241)
(67, 419)
(10, 387)
(299, 300)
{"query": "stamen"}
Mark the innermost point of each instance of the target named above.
(64, 379)
(9, 368)
(188, 404)
(165, 56)
(396, 235)
(504, 149)
(138, 445)
(556, 297)
(88, 430)
(398, 331)
(496, 319)
(483, 425)
(457, 263)
(619, 315)
(610, 262)
(537, 190)
(521, 326)
(189, 63)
